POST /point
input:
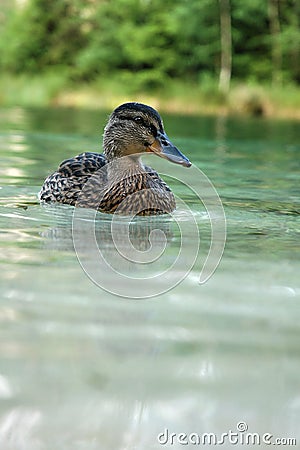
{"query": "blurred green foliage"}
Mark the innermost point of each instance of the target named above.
(146, 43)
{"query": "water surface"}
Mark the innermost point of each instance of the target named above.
(83, 369)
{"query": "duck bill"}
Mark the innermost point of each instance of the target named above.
(163, 147)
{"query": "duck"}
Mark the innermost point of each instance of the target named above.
(116, 181)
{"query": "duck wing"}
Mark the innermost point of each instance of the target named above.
(82, 165)
(65, 185)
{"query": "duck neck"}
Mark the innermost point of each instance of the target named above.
(124, 167)
(120, 162)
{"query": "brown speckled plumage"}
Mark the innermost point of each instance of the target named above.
(117, 181)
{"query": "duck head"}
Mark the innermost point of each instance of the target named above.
(135, 128)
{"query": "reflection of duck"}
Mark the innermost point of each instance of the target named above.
(117, 180)
(127, 246)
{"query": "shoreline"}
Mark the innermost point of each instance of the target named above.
(243, 99)
(94, 101)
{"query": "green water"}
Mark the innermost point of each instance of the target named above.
(83, 369)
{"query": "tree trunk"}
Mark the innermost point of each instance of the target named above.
(226, 46)
(296, 50)
(275, 41)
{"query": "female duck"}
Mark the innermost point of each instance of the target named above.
(117, 181)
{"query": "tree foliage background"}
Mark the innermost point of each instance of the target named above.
(149, 42)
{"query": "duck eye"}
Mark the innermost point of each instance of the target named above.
(138, 119)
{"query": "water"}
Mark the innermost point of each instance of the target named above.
(83, 369)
